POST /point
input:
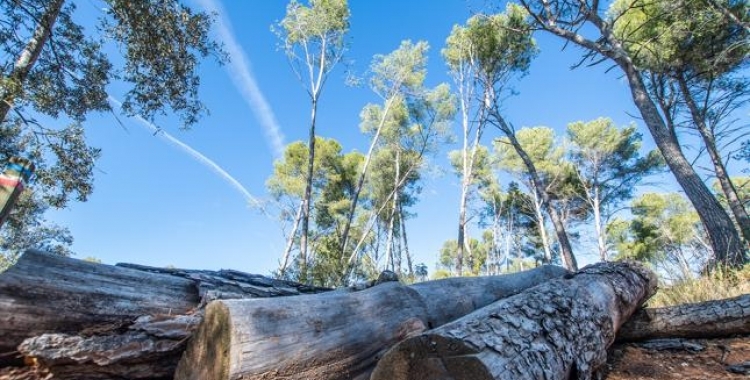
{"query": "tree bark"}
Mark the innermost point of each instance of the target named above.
(336, 335)
(307, 198)
(711, 319)
(558, 330)
(111, 321)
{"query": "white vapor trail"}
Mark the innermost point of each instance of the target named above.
(239, 69)
(198, 156)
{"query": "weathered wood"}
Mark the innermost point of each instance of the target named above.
(84, 304)
(558, 330)
(711, 319)
(335, 335)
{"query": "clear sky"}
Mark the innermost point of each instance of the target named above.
(157, 202)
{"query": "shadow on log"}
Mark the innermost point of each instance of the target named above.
(558, 330)
(710, 319)
(335, 335)
(86, 320)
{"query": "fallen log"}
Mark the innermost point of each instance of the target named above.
(335, 335)
(710, 319)
(84, 304)
(558, 330)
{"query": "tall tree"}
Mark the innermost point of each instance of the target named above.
(609, 165)
(484, 56)
(701, 52)
(314, 40)
(534, 155)
(588, 25)
(51, 66)
(397, 79)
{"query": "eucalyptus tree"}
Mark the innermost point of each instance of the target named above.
(534, 156)
(590, 26)
(698, 55)
(313, 38)
(51, 66)
(609, 165)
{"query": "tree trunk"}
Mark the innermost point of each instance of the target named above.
(90, 321)
(336, 335)
(28, 58)
(290, 242)
(362, 175)
(711, 319)
(389, 242)
(600, 228)
(724, 238)
(558, 330)
(541, 226)
(402, 218)
(307, 199)
(709, 140)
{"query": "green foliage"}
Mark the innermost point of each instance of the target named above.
(682, 36)
(334, 181)
(162, 43)
(313, 38)
(665, 230)
(493, 45)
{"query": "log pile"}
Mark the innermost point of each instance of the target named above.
(63, 318)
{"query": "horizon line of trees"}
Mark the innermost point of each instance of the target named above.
(345, 214)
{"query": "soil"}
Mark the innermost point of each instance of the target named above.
(636, 362)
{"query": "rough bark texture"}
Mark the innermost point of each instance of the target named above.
(105, 321)
(711, 319)
(335, 335)
(558, 330)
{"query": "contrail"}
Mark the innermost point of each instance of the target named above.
(244, 79)
(193, 153)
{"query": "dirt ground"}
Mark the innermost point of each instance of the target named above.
(636, 362)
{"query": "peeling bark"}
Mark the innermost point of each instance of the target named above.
(558, 330)
(711, 319)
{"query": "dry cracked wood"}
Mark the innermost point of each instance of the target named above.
(711, 319)
(558, 330)
(335, 335)
(142, 314)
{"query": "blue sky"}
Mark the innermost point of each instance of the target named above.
(156, 203)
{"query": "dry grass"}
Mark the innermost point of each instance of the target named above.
(718, 285)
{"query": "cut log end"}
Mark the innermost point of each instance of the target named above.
(210, 346)
(432, 357)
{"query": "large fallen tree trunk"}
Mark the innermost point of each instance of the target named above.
(335, 335)
(89, 321)
(711, 319)
(558, 330)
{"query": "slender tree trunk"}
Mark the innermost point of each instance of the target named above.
(402, 218)
(601, 239)
(466, 166)
(308, 193)
(28, 57)
(394, 207)
(724, 238)
(542, 228)
(290, 242)
(727, 187)
(362, 175)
